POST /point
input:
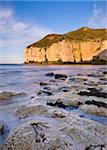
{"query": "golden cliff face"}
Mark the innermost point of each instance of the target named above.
(65, 50)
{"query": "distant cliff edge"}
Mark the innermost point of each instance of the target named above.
(84, 45)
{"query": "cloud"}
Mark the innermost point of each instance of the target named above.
(15, 32)
(4, 13)
(98, 18)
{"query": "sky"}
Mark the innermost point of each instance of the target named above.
(25, 22)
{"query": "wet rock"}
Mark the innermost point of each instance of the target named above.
(61, 104)
(103, 79)
(58, 113)
(47, 88)
(93, 109)
(4, 130)
(43, 83)
(92, 75)
(53, 81)
(37, 136)
(75, 103)
(45, 92)
(86, 133)
(32, 97)
(95, 147)
(67, 132)
(93, 89)
(93, 92)
(28, 136)
(50, 74)
(2, 127)
(61, 76)
(63, 89)
(99, 104)
(26, 111)
(104, 72)
(102, 83)
(7, 95)
(72, 79)
(79, 74)
(60, 142)
(90, 83)
(57, 103)
(20, 94)
(77, 79)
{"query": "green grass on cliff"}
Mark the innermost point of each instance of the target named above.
(82, 34)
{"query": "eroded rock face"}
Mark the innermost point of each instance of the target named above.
(62, 52)
(66, 49)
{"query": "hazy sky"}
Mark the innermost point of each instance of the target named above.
(24, 22)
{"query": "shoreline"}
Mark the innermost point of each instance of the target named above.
(67, 63)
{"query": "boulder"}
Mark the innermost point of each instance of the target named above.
(50, 74)
(61, 76)
(66, 133)
(28, 136)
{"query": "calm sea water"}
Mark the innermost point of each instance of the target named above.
(25, 78)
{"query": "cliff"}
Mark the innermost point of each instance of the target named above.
(77, 46)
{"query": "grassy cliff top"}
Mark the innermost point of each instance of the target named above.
(82, 34)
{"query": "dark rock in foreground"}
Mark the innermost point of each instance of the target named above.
(99, 104)
(61, 76)
(57, 103)
(50, 74)
(60, 104)
(93, 92)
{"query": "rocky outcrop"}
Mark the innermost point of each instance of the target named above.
(57, 117)
(101, 57)
(73, 47)
(69, 132)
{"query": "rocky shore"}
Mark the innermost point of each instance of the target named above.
(67, 112)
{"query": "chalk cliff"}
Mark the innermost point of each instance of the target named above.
(73, 47)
